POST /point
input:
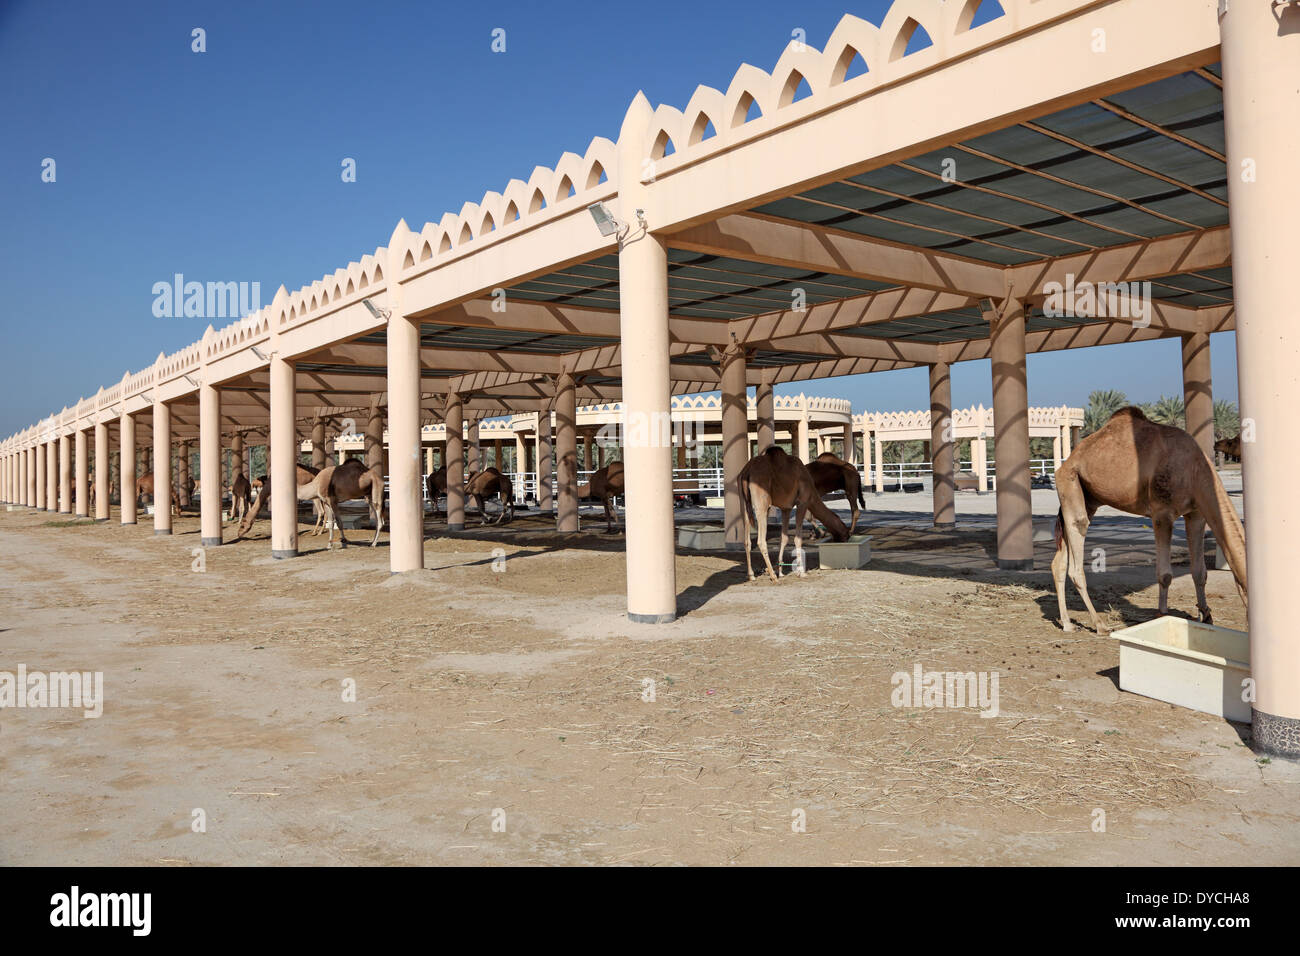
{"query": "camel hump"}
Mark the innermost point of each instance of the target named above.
(1130, 412)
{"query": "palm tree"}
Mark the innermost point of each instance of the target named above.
(1102, 404)
(1227, 420)
(1167, 410)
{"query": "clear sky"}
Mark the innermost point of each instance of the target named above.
(225, 165)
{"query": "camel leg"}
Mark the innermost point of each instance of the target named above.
(378, 509)
(761, 513)
(334, 511)
(800, 567)
(609, 514)
(780, 551)
(1060, 565)
(1194, 525)
(749, 564)
(1163, 525)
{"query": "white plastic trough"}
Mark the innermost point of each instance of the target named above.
(1193, 665)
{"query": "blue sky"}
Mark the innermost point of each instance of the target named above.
(224, 165)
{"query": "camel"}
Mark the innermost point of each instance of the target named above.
(1229, 448)
(606, 484)
(488, 482)
(144, 486)
(830, 474)
(347, 481)
(306, 491)
(773, 479)
(1158, 472)
(241, 496)
(435, 485)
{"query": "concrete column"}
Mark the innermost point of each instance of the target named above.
(29, 478)
(765, 410)
(474, 451)
(209, 466)
(1261, 97)
(183, 474)
(1198, 393)
(566, 452)
(1011, 438)
(405, 498)
(42, 465)
(801, 437)
(979, 455)
(455, 462)
(1056, 453)
(101, 471)
(65, 475)
(373, 441)
(880, 465)
(282, 459)
(942, 447)
(83, 474)
(1067, 441)
(162, 470)
(521, 465)
(849, 451)
(545, 498)
(735, 442)
(127, 472)
(52, 475)
(318, 454)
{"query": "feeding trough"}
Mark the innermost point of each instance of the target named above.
(702, 537)
(1193, 665)
(845, 555)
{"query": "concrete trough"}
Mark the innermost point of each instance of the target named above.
(1193, 665)
(702, 537)
(846, 555)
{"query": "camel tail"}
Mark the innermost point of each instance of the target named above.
(744, 496)
(1058, 530)
(1221, 515)
(829, 518)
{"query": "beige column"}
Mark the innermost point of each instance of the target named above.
(373, 440)
(849, 451)
(801, 437)
(52, 475)
(455, 462)
(735, 441)
(83, 473)
(521, 465)
(209, 465)
(942, 447)
(42, 465)
(1067, 440)
(29, 477)
(282, 459)
(566, 452)
(128, 452)
(65, 475)
(162, 470)
(474, 452)
(880, 465)
(101, 471)
(499, 455)
(318, 454)
(765, 410)
(405, 498)
(1056, 452)
(979, 455)
(1198, 394)
(545, 498)
(1011, 438)
(1261, 97)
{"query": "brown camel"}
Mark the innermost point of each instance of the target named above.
(773, 479)
(241, 496)
(606, 484)
(1159, 472)
(1229, 448)
(306, 491)
(144, 486)
(489, 482)
(347, 481)
(435, 485)
(831, 474)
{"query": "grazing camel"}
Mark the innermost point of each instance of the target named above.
(489, 482)
(773, 479)
(1159, 472)
(606, 484)
(831, 474)
(306, 491)
(241, 496)
(144, 486)
(347, 481)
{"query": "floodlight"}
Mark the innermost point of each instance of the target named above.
(605, 220)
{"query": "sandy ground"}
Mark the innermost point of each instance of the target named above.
(499, 714)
